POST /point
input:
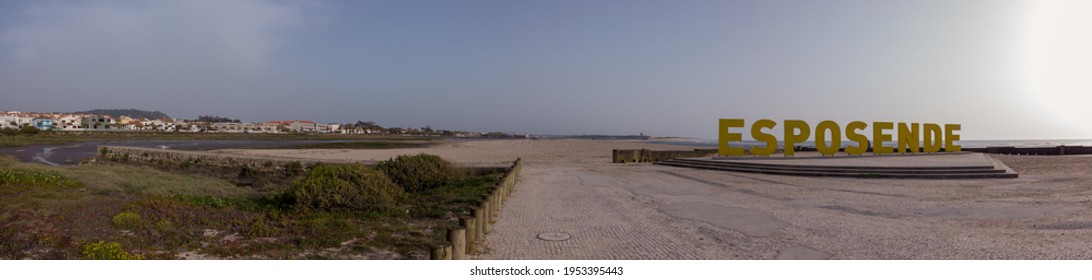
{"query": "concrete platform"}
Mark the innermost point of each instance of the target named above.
(962, 165)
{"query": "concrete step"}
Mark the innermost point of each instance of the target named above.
(840, 169)
(857, 172)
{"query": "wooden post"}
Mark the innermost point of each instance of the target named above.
(508, 185)
(440, 251)
(479, 224)
(496, 205)
(487, 226)
(511, 184)
(457, 237)
(508, 189)
(492, 207)
(471, 226)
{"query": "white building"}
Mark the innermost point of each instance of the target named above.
(7, 121)
(226, 127)
(97, 122)
(303, 126)
(16, 120)
(68, 122)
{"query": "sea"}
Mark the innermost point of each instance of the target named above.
(712, 143)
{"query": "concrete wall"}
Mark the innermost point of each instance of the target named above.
(646, 155)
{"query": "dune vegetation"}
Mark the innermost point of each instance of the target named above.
(122, 211)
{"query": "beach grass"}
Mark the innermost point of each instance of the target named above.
(155, 214)
(142, 180)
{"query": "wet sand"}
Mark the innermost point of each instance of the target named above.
(643, 211)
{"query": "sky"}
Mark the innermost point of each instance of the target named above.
(1001, 69)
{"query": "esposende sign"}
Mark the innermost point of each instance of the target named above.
(911, 137)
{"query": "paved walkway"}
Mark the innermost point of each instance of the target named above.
(601, 223)
(610, 217)
(629, 211)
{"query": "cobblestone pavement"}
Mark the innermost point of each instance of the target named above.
(631, 211)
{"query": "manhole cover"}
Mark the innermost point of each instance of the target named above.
(554, 236)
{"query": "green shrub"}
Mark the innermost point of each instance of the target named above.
(164, 226)
(353, 186)
(127, 220)
(419, 172)
(259, 228)
(34, 178)
(248, 173)
(103, 250)
(324, 230)
(29, 130)
(293, 168)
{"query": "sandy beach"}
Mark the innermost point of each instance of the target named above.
(644, 211)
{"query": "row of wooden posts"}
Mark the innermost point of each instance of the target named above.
(464, 239)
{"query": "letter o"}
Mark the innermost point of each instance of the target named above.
(821, 138)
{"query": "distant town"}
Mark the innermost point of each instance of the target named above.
(15, 120)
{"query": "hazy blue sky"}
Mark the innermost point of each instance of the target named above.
(1003, 69)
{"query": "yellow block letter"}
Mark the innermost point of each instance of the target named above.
(908, 138)
(791, 137)
(759, 135)
(932, 137)
(725, 137)
(950, 137)
(852, 135)
(878, 137)
(821, 138)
